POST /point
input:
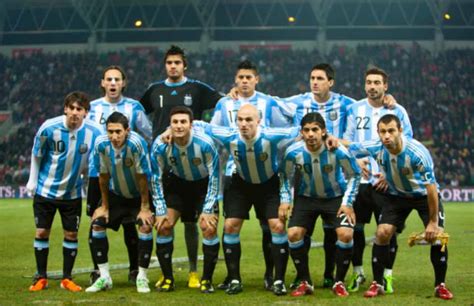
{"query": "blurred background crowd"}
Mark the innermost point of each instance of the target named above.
(436, 90)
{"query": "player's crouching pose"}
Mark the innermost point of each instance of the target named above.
(408, 168)
(324, 191)
(60, 155)
(121, 158)
(190, 192)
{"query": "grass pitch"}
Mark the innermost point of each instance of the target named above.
(413, 272)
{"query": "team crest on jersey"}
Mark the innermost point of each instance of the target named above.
(128, 162)
(83, 148)
(263, 156)
(196, 161)
(405, 170)
(188, 100)
(328, 168)
(333, 115)
(307, 168)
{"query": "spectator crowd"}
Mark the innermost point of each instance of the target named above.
(436, 90)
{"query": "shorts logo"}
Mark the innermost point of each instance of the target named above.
(128, 162)
(405, 171)
(188, 100)
(308, 168)
(196, 161)
(263, 156)
(83, 148)
(333, 115)
(328, 168)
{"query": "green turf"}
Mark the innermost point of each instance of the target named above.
(413, 272)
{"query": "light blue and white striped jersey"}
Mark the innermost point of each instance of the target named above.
(273, 111)
(334, 111)
(195, 161)
(362, 121)
(256, 160)
(408, 172)
(132, 109)
(64, 157)
(123, 164)
(322, 173)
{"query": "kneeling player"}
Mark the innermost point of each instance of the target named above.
(190, 191)
(121, 158)
(323, 191)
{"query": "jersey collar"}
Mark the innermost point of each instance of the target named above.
(172, 84)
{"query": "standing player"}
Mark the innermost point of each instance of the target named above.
(409, 171)
(323, 190)
(361, 126)
(121, 159)
(158, 100)
(255, 150)
(191, 193)
(113, 84)
(273, 113)
(60, 155)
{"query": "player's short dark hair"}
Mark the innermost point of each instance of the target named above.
(175, 50)
(114, 67)
(378, 71)
(386, 119)
(330, 73)
(180, 109)
(246, 64)
(314, 117)
(117, 117)
(77, 96)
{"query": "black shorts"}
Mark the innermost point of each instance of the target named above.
(398, 208)
(241, 195)
(306, 211)
(187, 197)
(44, 210)
(122, 210)
(368, 202)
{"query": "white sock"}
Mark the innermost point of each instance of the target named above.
(387, 272)
(142, 272)
(104, 270)
(358, 269)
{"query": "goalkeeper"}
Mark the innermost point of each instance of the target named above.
(408, 168)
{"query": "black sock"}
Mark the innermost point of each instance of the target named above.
(69, 257)
(164, 252)
(330, 238)
(145, 247)
(439, 260)
(232, 252)
(359, 246)
(267, 248)
(41, 246)
(92, 250)
(280, 254)
(191, 237)
(130, 236)
(299, 255)
(307, 243)
(343, 259)
(380, 254)
(100, 246)
(210, 248)
(393, 252)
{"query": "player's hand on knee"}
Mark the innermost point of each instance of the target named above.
(159, 222)
(146, 216)
(101, 212)
(348, 212)
(210, 221)
(284, 211)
